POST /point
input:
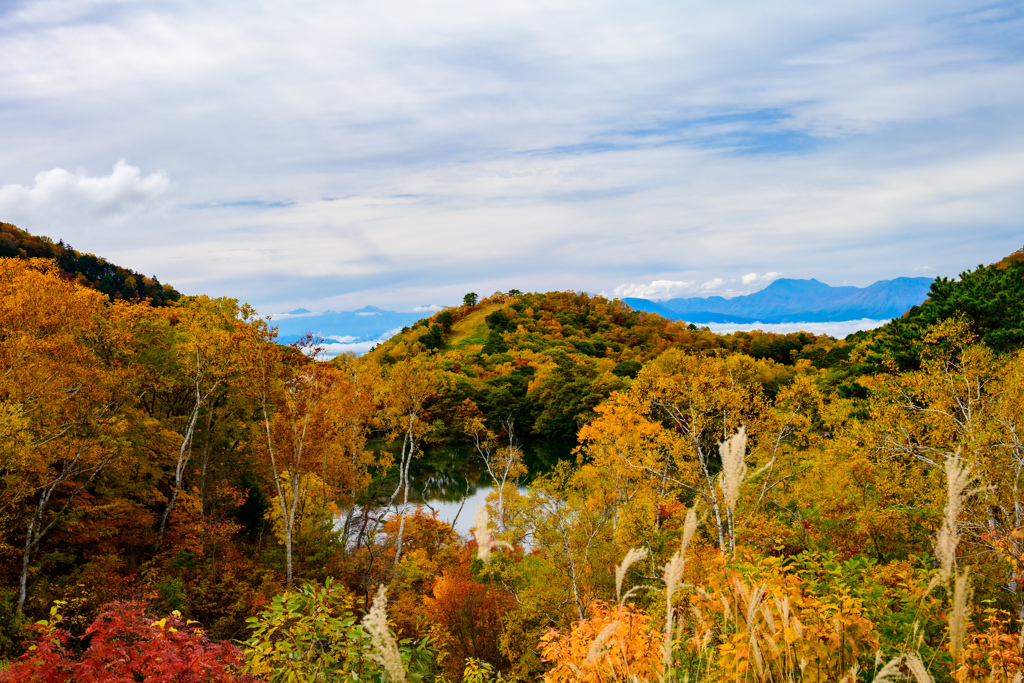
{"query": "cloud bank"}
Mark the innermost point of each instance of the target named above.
(662, 290)
(333, 155)
(834, 329)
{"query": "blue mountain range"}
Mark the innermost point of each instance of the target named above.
(795, 301)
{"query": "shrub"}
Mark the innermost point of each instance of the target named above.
(124, 644)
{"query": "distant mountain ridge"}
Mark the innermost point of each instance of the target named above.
(791, 301)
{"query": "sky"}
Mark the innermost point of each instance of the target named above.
(341, 153)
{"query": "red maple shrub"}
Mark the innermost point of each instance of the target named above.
(124, 645)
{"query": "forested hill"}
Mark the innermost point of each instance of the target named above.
(180, 456)
(90, 270)
(990, 298)
(547, 360)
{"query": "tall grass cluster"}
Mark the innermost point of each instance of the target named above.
(759, 624)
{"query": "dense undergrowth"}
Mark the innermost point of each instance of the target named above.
(190, 500)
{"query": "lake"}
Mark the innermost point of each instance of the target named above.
(453, 480)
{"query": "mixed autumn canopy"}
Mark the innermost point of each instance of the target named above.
(186, 497)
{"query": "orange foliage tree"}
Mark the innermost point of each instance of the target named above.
(616, 643)
(66, 388)
(467, 617)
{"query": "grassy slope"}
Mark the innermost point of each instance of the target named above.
(471, 332)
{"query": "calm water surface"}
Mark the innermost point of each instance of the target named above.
(454, 482)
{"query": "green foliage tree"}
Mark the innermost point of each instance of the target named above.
(446, 319)
(312, 633)
(990, 297)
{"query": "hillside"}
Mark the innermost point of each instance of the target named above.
(148, 454)
(90, 270)
(548, 359)
(990, 298)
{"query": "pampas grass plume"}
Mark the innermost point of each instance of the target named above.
(385, 648)
(890, 673)
(632, 557)
(916, 667)
(958, 478)
(482, 532)
(734, 466)
(598, 648)
(958, 616)
(673, 578)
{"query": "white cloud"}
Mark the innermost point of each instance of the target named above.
(58, 193)
(755, 279)
(660, 290)
(656, 290)
(712, 284)
(834, 329)
(426, 308)
(340, 345)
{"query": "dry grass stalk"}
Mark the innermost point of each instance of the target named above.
(958, 478)
(734, 466)
(917, 669)
(703, 631)
(851, 675)
(673, 578)
(958, 616)
(385, 649)
(789, 619)
(482, 532)
(754, 600)
(632, 557)
(891, 672)
(598, 648)
(689, 527)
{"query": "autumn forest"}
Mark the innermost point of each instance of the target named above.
(185, 499)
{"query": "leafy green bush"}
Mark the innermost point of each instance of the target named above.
(312, 633)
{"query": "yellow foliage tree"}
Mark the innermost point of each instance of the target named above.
(616, 643)
(66, 380)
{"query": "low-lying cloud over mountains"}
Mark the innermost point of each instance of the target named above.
(793, 301)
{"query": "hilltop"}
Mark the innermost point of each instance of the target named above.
(89, 270)
(783, 301)
(548, 359)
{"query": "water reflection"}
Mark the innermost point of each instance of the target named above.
(454, 482)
